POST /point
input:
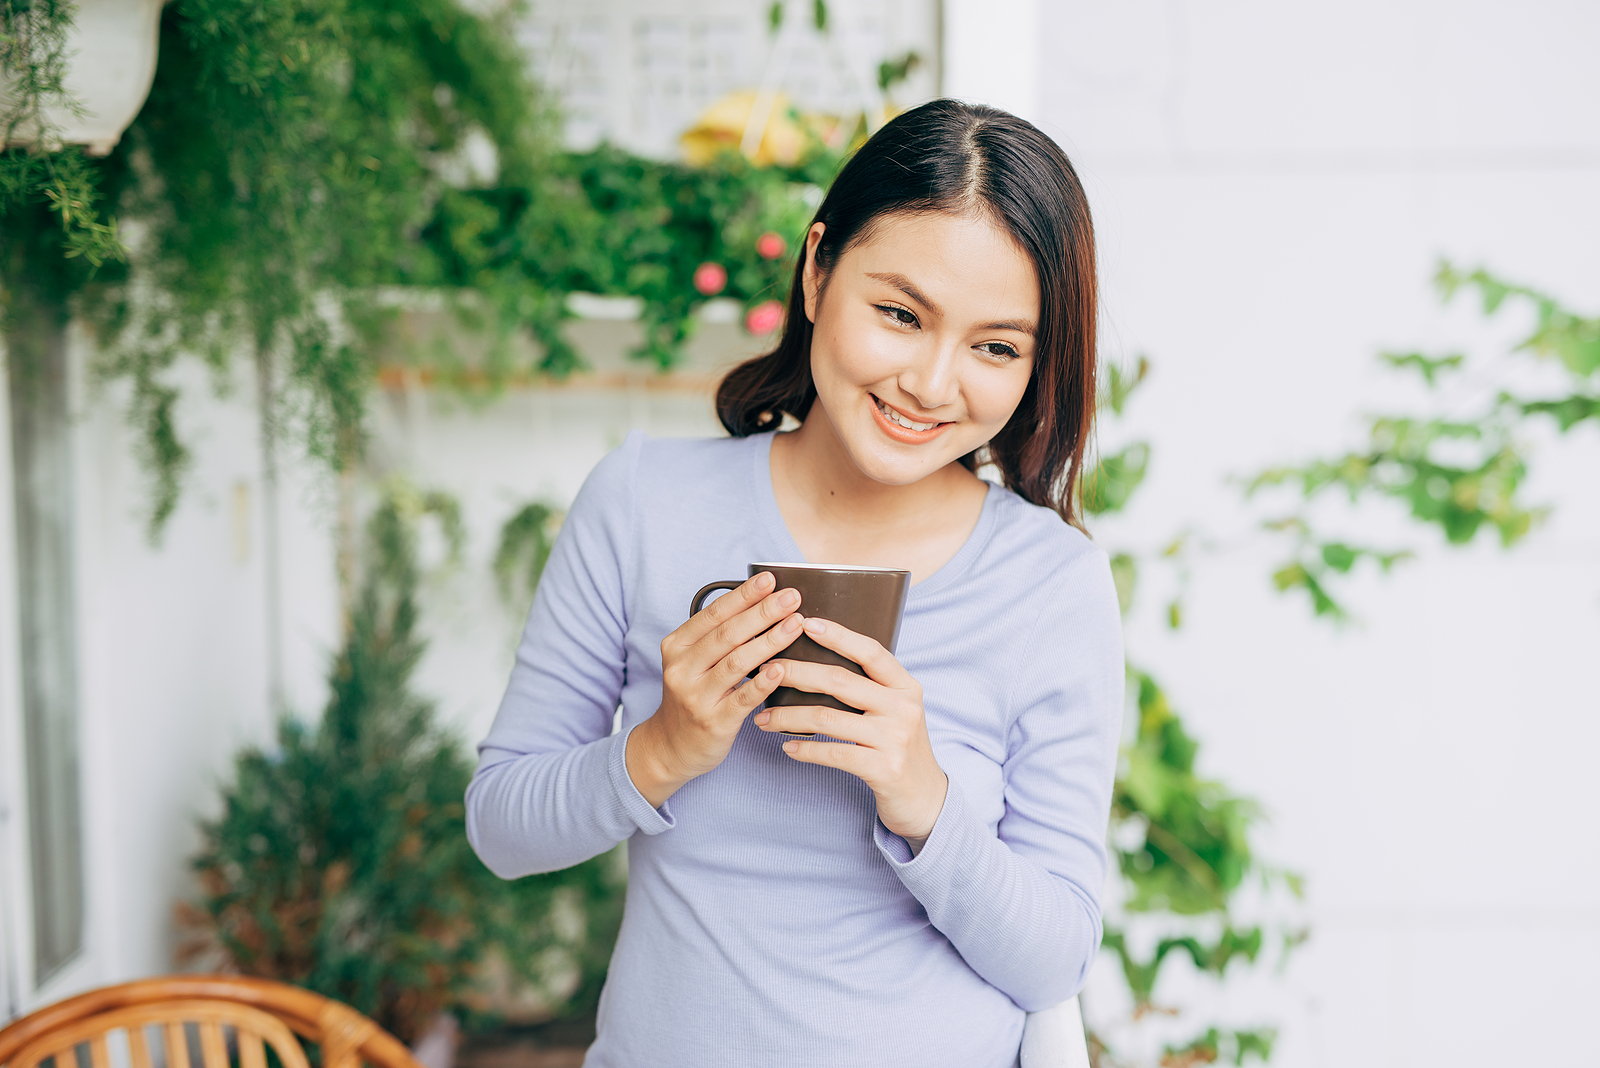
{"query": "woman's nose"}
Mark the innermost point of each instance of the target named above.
(931, 378)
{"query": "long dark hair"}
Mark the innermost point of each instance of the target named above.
(962, 158)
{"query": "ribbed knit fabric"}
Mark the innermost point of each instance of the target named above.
(771, 920)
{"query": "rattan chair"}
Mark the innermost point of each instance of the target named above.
(259, 1014)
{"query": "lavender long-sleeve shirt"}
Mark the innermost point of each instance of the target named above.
(771, 919)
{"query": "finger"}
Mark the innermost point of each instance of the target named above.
(763, 647)
(725, 608)
(879, 664)
(736, 630)
(835, 681)
(855, 759)
(755, 690)
(818, 719)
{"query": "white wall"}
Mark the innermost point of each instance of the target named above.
(1273, 185)
(172, 664)
(531, 444)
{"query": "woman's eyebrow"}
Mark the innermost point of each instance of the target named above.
(903, 284)
(1021, 326)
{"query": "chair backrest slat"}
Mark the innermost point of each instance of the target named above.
(177, 1044)
(252, 1053)
(99, 1053)
(138, 1048)
(213, 1049)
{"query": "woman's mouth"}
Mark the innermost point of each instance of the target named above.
(902, 427)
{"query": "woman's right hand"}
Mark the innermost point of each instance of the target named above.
(704, 694)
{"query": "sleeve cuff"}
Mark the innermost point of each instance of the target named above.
(898, 852)
(629, 799)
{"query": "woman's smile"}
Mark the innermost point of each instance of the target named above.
(901, 427)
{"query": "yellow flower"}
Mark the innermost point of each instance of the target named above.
(722, 126)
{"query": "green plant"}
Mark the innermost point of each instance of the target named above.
(39, 177)
(293, 160)
(1182, 842)
(280, 170)
(626, 226)
(1459, 473)
(340, 861)
(525, 543)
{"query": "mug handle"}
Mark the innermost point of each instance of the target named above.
(699, 598)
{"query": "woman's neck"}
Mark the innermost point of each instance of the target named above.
(836, 514)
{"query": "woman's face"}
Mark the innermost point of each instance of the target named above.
(929, 322)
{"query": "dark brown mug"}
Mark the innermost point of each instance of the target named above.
(867, 600)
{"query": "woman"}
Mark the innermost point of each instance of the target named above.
(906, 899)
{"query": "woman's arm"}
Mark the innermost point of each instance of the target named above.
(551, 788)
(1022, 907)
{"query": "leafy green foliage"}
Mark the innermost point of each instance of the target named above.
(1214, 958)
(612, 223)
(281, 168)
(39, 172)
(1181, 841)
(294, 159)
(286, 157)
(1118, 384)
(1315, 561)
(1113, 480)
(1195, 847)
(1221, 1046)
(340, 861)
(1402, 462)
(1429, 367)
(1458, 475)
(1572, 339)
(525, 543)
(891, 72)
(1108, 485)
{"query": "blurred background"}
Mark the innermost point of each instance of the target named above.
(317, 314)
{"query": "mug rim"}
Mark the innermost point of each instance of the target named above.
(833, 567)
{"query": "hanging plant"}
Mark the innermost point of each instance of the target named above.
(48, 190)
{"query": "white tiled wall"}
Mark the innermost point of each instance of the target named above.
(639, 72)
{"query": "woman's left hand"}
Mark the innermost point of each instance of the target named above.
(892, 753)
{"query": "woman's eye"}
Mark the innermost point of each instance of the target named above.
(999, 348)
(900, 316)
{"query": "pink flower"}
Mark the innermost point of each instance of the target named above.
(769, 246)
(764, 318)
(710, 278)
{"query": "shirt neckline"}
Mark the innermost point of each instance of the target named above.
(772, 519)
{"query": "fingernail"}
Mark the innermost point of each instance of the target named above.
(765, 581)
(791, 747)
(788, 598)
(816, 626)
(763, 717)
(774, 671)
(791, 625)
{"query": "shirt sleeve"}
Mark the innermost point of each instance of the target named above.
(1022, 907)
(552, 787)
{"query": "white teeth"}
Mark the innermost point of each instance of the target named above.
(895, 417)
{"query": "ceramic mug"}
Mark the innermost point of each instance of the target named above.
(867, 600)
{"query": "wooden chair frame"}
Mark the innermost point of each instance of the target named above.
(259, 1008)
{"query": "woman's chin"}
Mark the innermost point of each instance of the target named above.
(894, 465)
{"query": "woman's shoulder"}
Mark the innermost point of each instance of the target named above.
(642, 462)
(688, 453)
(1036, 540)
